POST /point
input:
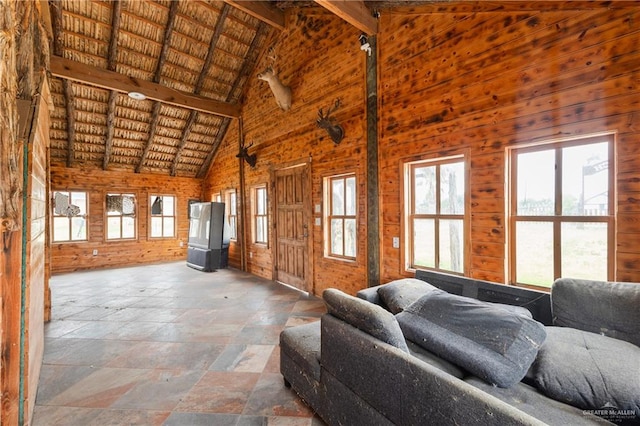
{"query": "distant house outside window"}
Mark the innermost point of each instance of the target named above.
(341, 216)
(435, 214)
(163, 216)
(260, 215)
(121, 216)
(69, 216)
(562, 217)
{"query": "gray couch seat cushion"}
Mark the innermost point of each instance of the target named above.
(588, 370)
(613, 307)
(372, 319)
(490, 342)
(398, 294)
(302, 344)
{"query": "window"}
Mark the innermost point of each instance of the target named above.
(340, 216)
(261, 231)
(435, 218)
(69, 216)
(561, 211)
(217, 198)
(121, 216)
(232, 214)
(163, 216)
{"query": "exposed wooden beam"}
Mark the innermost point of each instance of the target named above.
(261, 10)
(87, 74)
(203, 73)
(354, 12)
(155, 116)
(111, 66)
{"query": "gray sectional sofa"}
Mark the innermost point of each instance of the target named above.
(409, 353)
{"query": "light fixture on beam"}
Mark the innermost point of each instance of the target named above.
(137, 96)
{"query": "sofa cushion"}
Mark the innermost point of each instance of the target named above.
(372, 319)
(588, 370)
(490, 342)
(399, 294)
(613, 307)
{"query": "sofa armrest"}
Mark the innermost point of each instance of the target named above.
(608, 308)
(371, 295)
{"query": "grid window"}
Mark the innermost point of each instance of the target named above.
(163, 216)
(340, 216)
(435, 219)
(232, 214)
(69, 216)
(121, 216)
(261, 231)
(561, 211)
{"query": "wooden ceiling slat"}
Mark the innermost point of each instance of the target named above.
(261, 10)
(354, 12)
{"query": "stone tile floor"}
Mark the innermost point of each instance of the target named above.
(169, 345)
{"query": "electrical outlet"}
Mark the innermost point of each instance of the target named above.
(181, 243)
(95, 252)
(396, 242)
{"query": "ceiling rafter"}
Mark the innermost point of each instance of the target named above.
(354, 12)
(246, 70)
(155, 116)
(201, 78)
(71, 70)
(261, 10)
(56, 18)
(111, 66)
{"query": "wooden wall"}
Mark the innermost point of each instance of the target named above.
(454, 80)
(97, 183)
(319, 57)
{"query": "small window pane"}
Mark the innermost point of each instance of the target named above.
(113, 227)
(585, 180)
(351, 196)
(60, 229)
(451, 245)
(156, 226)
(534, 253)
(128, 227)
(337, 237)
(261, 199)
(167, 227)
(424, 190)
(232, 204)
(337, 192)
(350, 237)
(424, 252)
(452, 188)
(168, 206)
(536, 183)
(78, 229)
(584, 250)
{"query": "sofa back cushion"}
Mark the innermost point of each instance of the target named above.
(608, 308)
(368, 317)
(399, 294)
(494, 344)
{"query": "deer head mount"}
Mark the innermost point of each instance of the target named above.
(244, 153)
(281, 92)
(325, 121)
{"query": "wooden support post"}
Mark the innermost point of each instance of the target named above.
(243, 195)
(373, 196)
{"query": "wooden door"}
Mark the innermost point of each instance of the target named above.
(292, 209)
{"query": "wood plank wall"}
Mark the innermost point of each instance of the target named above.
(484, 81)
(319, 56)
(97, 183)
(451, 79)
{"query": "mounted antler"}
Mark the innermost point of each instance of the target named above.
(281, 92)
(335, 131)
(244, 153)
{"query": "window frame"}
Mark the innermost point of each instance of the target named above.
(408, 213)
(134, 215)
(85, 216)
(328, 215)
(558, 218)
(231, 199)
(256, 216)
(174, 216)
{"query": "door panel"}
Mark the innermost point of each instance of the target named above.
(292, 210)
